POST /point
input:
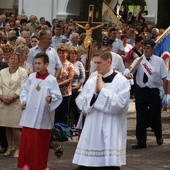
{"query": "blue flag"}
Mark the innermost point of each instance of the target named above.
(163, 44)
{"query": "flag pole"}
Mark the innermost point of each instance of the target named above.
(133, 68)
(165, 33)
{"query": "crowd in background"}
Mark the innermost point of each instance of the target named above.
(26, 36)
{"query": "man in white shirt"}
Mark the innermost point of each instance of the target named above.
(54, 67)
(73, 40)
(117, 61)
(58, 37)
(117, 44)
(149, 81)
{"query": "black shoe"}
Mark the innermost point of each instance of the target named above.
(80, 168)
(159, 141)
(3, 150)
(87, 168)
(137, 146)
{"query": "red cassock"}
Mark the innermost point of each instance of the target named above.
(34, 148)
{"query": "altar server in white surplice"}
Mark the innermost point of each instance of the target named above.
(104, 101)
(39, 99)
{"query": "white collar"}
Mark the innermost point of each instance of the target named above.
(108, 73)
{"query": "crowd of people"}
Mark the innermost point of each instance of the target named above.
(43, 73)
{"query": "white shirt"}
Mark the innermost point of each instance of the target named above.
(127, 48)
(54, 60)
(159, 68)
(117, 45)
(56, 40)
(117, 63)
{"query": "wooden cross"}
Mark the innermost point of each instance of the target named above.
(91, 12)
(89, 27)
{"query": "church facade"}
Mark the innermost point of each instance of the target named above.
(62, 8)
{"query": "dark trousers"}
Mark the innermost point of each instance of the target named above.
(3, 140)
(132, 91)
(62, 112)
(74, 110)
(99, 168)
(148, 109)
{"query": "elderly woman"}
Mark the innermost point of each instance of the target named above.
(77, 82)
(11, 82)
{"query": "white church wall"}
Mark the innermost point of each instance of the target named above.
(152, 11)
(59, 8)
(40, 8)
(66, 7)
(49, 9)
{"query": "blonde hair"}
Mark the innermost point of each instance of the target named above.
(19, 50)
(105, 55)
(20, 41)
(72, 49)
(62, 47)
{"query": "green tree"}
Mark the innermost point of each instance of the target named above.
(127, 3)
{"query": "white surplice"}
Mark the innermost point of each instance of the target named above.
(103, 138)
(38, 113)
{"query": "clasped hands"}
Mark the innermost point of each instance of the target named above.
(99, 84)
(8, 100)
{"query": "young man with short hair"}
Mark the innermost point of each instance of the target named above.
(104, 102)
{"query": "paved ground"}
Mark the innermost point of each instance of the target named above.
(154, 157)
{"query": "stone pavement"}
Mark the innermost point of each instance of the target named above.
(154, 157)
